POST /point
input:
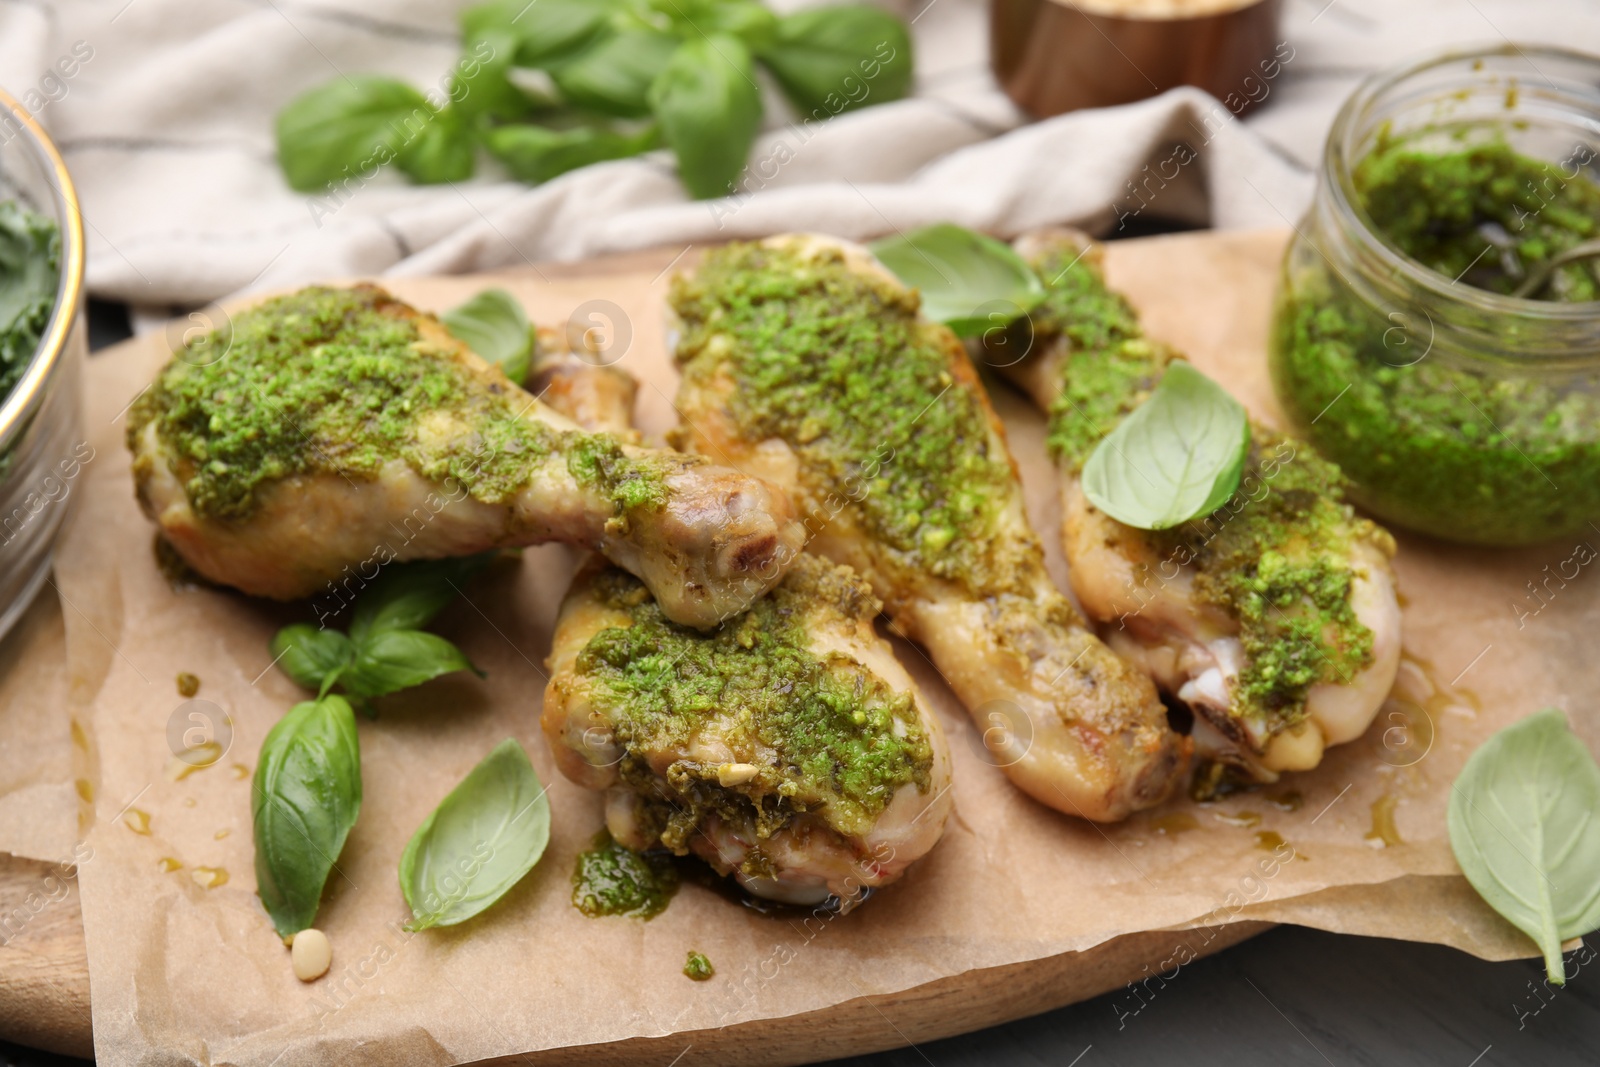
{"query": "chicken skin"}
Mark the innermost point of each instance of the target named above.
(1274, 619)
(805, 363)
(340, 429)
(789, 748)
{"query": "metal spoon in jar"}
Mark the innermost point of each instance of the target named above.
(1540, 276)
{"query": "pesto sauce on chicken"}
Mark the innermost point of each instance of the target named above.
(1275, 557)
(839, 365)
(823, 731)
(330, 380)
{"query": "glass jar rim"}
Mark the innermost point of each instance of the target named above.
(1338, 179)
(29, 391)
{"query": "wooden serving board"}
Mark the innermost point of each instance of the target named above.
(44, 994)
(44, 974)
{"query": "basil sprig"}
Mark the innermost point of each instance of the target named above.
(386, 649)
(1178, 456)
(478, 843)
(1523, 828)
(622, 75)
(494, 326)
(968, 281)
(303, 800)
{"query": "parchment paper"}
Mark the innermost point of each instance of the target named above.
(185, 974)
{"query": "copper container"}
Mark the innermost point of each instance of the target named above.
(1052, 56)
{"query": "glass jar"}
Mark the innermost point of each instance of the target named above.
(1454, 410)
(42, 447)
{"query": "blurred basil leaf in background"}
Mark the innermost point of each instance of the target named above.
(481, 86)
(343, 128)
(710, 109)
(537, 153)
(614, 75)
(540, 29)
(750, 22)
(440, 151)
(829, 60)
(540, 85)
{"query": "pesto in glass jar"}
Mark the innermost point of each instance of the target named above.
(1455, 408)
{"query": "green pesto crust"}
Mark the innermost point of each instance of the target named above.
(827, 733)
(1276, 557)
(1109, 367)
(342, 381)
(839, 365)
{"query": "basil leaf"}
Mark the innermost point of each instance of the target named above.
(392, 660)
(304, 799)
(614, 75)
(1523, 827)
(481, 85)
(312, 657)
(479, 841)
(750, 22)
(537, 154)
(966, 279)
(344, 127)
(442, 151)
(829, 60)
(408, 595)
(709, 109)
(494, 326)
(1178, 456)
(541, 29)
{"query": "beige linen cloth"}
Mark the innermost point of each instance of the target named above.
(168, 130)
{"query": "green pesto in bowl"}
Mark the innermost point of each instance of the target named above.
(30, 272)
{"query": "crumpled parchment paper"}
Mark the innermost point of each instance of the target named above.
(186, 969)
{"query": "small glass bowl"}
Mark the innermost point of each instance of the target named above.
(1454, 411)
(42, 447)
